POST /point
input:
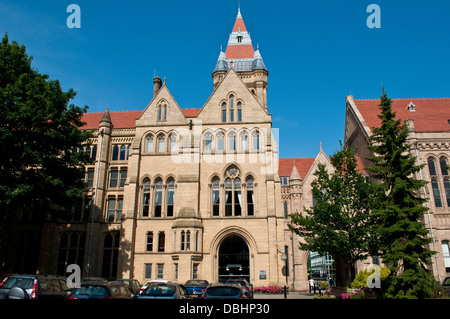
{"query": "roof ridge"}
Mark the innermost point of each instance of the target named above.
(411, 98)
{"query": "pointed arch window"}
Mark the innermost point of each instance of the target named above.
(150, 144)
(434, 182)
(161, 144)
(158, 198)
(250, 196)
(244, 141)
(146, 198)
(159, 113)
(170, 197)
(256, 140)
(219, 142)
(445, 178)
(215, 196)
(231, 108)
(233, 195)
(239, 111)
(165, 113)
(173, 143)
(224, 112)
(208, 142)
(232, 142)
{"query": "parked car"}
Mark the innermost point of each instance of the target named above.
(196, 288)
(132, 283)
(446, 286)
(100, 290)
(164, 290)
(224, 291)
(248, 288)
(33, 287)
(143, 287)
(93, 279)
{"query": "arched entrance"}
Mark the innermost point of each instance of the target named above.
(234, 259)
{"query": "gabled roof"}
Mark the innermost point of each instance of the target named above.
(192, 112)
(429, 115)
(124, 119)
(303, 165)
(119, 119)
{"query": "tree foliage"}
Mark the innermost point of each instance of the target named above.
(340, 223)
(403, 237)
(38, 131)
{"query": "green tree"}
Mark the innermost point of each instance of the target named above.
(340, 223)
(403, 238)
(40, 176)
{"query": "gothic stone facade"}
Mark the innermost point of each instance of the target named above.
(429, 136)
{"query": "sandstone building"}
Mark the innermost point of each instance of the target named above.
(428, 122)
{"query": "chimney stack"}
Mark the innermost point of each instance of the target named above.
(157, 83)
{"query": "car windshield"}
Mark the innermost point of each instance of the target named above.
(160, 290)
(223, 291)
(197, 283)
(11, 282)
(91, 291)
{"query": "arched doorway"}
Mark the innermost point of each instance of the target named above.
(234, 259)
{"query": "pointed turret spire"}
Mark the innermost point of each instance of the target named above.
(294, 174)
(239, 43)
(106, 118)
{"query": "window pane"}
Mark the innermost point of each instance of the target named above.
(170, 198)
(219, 142)
(244, 139)
(148, 271)
(208, 142)
(436, 193)
(94, 153)
(255, 141)
(158, 198)
(111, 209)
(150, 144)
(123, 152)
(232, 142)
(123, 177)
(146, 199)
(115, 153)
(113, 178)
(224, 112)
(161, 242)
(228, 197)
(149, 241)
(119, 208)
(239, 112)
(447, 190)
(90, 177)
(161, 144)
(216, 197)
(431, 167)
(443, 164)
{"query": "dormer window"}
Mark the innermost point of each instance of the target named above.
(411, 107)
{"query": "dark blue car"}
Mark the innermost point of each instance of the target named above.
(196, 288)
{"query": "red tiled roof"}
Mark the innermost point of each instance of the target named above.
(119, 119)
(430, 115)
(124, 119)
(303, 166)
(191, 112)
(239, 25)
(239, 51)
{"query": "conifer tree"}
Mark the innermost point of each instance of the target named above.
(403, 237)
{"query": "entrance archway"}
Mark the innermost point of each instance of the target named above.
(234, 259)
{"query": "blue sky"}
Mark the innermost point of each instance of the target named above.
(317, 53)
